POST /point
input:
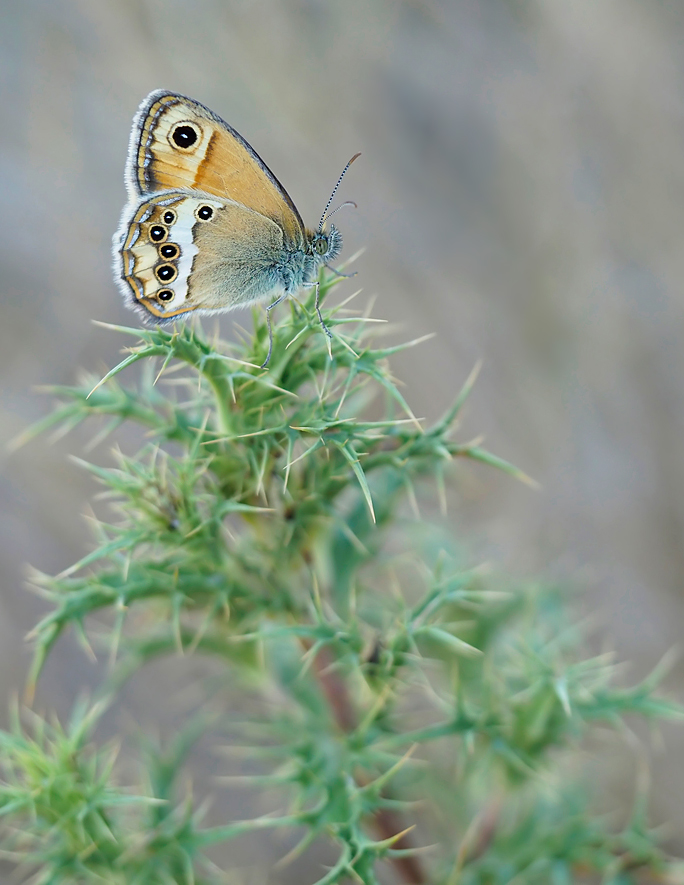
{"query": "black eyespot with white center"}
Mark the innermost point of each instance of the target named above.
(185, 136)
(165, 273)
(158, 233)
(204, 212)
(169, 250)
(169, 216)
(165, 295)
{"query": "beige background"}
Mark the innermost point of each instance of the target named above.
(521, 192)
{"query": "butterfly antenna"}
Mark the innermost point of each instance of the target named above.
(341, 206)
(332, 195)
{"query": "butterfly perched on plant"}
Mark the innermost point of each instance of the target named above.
(208, 227)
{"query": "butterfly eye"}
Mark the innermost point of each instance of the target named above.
(157, 233)
(169, 216)
(321, 245)
(184, 136)
(165, 273)
(165, 295)
(204, 213)
(169, 250)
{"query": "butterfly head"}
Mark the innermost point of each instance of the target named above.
(325, 245)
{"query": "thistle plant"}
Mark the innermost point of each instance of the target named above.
(415, 718)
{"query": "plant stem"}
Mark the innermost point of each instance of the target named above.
(222, 392)
(386, 822)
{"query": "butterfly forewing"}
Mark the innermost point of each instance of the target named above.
(178, 143)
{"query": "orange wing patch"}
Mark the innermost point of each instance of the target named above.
(178, 143)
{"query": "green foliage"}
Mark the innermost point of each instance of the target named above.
(259, 525)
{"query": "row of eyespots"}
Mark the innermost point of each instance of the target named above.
(158, 233)
(165, 272)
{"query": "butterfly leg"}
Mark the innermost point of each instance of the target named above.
(270, 330)
(318, 309)
(320, 315)
(338, 273)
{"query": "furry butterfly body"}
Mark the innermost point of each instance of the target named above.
(208, 227)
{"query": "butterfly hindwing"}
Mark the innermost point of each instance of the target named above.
(180, 251)
(176, 142)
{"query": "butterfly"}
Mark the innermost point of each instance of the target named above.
(208, 227)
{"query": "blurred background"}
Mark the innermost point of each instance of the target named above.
(521, 193)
